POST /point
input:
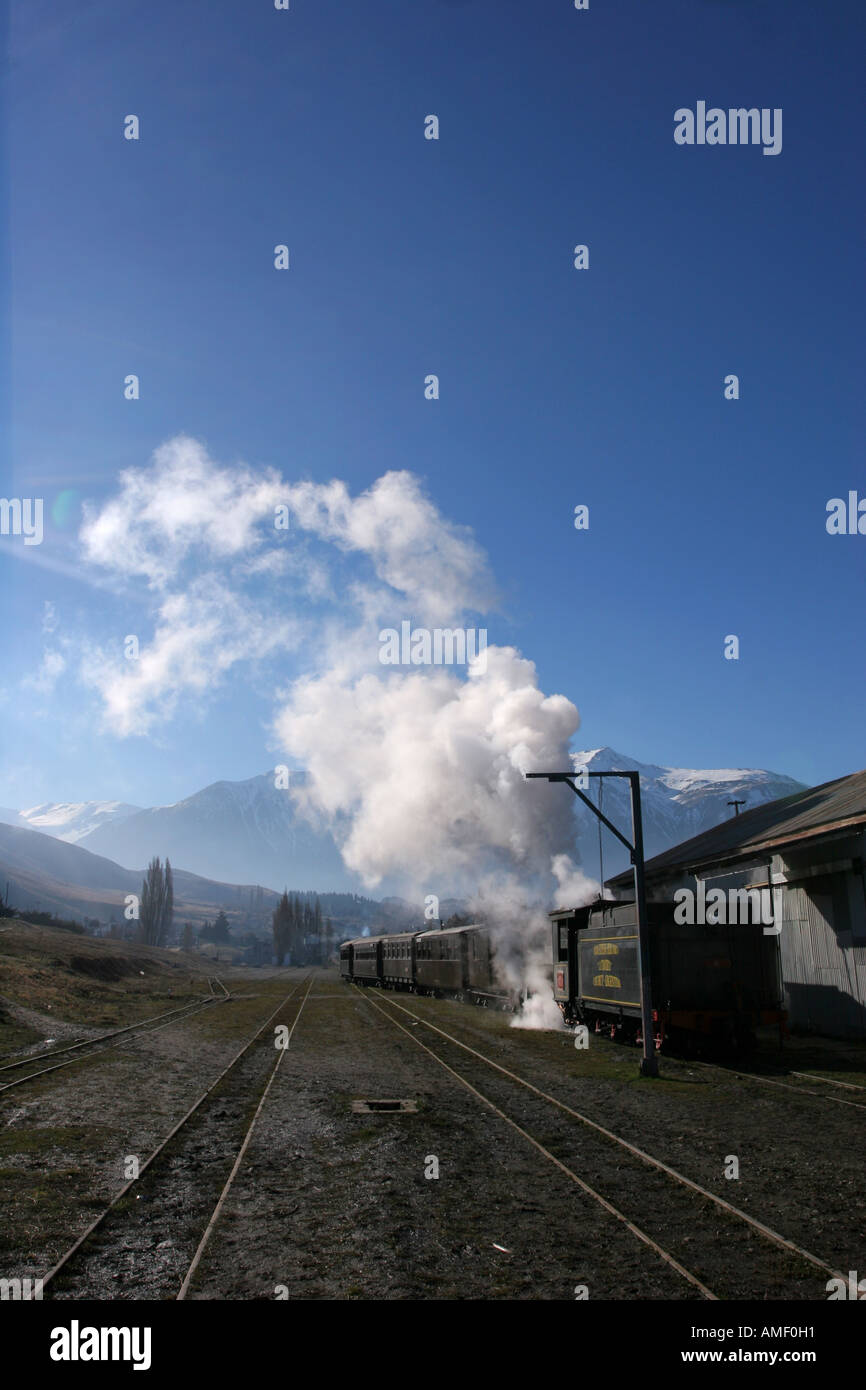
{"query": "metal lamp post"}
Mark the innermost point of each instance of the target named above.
(649, 1063)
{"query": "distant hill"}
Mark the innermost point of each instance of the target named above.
(53, 876)
(50, 875)
(249, 832)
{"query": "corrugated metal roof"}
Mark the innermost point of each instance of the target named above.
(817, 811)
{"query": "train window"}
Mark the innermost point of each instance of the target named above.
(563, 943)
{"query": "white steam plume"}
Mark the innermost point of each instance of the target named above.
(417, 770)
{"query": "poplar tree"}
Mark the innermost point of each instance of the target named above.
(317, 928)
(156, 905)
(168, 920)
(282, 927)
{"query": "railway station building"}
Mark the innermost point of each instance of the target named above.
(808, 852)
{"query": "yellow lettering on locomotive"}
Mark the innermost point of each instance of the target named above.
(606, 948)
(607, 981)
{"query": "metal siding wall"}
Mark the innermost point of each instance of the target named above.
(824, 972)
(822, 943)
(794, 942)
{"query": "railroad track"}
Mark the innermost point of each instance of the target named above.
(664, 1203)
(830, 1080)
(786, 1086)
(93, 1047)
(745, 1075)
(172, 1196)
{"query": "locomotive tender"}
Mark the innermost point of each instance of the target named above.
(455, 961)
(710, 983)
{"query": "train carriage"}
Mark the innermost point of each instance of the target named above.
(440, 961)
(482, 980)
(347, 952)
(456, 961)
(367, 959)
(398, 960)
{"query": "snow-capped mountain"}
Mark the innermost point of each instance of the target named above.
(676, 803)
(246, 831)
(72, 820)
(251, 831)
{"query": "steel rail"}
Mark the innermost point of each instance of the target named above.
(103, 1037)
(766, 1231)
(95, 1224)
(179, 1017)
(584, 1186)
(784, 1085)
(240, 1156)
(828, 1080)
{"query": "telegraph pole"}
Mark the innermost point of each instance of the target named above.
(649, 1063)
(736, 805)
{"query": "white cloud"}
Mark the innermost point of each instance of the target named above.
(416, 551)
(51, 667)
(418, 771)
(183, 506)
(193, 528)
(186, 507)
(199, 636)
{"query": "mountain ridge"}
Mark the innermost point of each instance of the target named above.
(251, 831)
(676, 803)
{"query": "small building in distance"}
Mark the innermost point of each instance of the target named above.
(808, 851)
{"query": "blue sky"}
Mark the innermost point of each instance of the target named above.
(454, 256)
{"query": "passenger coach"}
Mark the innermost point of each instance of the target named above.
(457, 962)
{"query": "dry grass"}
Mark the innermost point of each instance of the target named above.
(83, 980)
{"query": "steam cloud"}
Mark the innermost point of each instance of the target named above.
(417, 770)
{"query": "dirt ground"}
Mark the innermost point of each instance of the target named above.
(446, 1200)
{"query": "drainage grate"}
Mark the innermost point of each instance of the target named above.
(375, 1107)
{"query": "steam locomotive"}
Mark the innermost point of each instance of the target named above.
(711, 985)
(458, 962)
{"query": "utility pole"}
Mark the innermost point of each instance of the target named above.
(736, 805)
(649, 1063)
